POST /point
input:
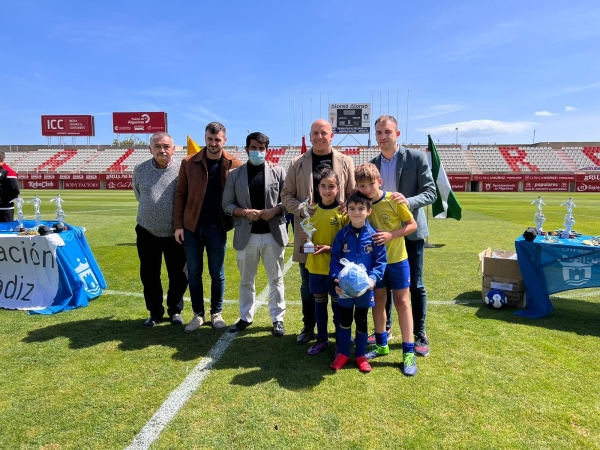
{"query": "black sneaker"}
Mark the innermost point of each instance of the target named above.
(151, 321)
(305, 335)
(278, 329)
(421, 345)
(240, 326)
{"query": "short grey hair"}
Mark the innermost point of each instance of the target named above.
(157, 136)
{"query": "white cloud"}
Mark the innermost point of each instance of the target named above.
(438, 110)
(203, 115)
(199, 110)
(543, 113)
(165, 92)
(480, 127)
(472, 46)
(570, 109)
(574, 89)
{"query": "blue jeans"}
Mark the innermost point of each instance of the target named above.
(214, 240)
(418, 295)
(308, 299)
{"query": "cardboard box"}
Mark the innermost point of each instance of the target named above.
(504, 274)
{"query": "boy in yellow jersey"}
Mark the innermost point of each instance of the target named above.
(392, 221)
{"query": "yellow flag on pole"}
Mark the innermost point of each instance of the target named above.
(192, 147)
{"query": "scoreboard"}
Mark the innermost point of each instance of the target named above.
(350, 118)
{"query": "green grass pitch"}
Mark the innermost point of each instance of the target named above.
(92, 378)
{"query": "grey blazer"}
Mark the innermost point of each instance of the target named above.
(415, 181)
(237, 195)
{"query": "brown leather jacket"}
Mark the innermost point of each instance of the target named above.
(191, 188)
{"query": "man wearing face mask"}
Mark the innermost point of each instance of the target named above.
(252, 196)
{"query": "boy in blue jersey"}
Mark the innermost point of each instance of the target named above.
(392, 221)
(355, 243)
(328, 221)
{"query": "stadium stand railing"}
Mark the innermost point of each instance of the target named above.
(585, 158)
(518, 159)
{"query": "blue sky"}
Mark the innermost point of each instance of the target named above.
(497, 71)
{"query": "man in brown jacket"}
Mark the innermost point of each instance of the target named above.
(200, 222)
(300, 183)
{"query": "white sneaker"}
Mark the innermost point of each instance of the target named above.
(217, 321)
(194, 324)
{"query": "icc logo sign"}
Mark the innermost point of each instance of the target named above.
(55, 124)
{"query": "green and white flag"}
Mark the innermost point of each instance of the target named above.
(446, 205)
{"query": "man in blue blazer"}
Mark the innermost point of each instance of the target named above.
(407, 172)
(252, 196)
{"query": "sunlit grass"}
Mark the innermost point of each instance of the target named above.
(92, 377)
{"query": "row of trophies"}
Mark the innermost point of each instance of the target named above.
(60, 214)
(569, 220)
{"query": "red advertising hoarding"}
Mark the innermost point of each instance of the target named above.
(123, 184)
(118, 181)
(68, 126)
(458, 186)
(139, 122)
(546, 186)
(550, 177)
(78, 176)
(458, 177)
(593, 177)
(116, 176)
(499, 186)
(40, 184)
(82, 184)
(37, 176)
(488, 177)
(587, 186)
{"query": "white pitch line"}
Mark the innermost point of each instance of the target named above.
(185, 299)
(169, 409)
(574, 295)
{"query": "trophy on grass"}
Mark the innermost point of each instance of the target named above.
(569, 219)
(60, 214)
(36, 208)
(19, 203)
(539, 217)
(307, 226)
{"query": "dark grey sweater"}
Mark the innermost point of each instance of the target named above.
(155, 189)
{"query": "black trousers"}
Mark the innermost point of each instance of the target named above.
(150, 251)
(7, 215)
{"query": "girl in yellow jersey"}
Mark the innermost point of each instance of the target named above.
(327, 220)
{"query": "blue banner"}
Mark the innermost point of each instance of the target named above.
(80, 278)
(551, 267)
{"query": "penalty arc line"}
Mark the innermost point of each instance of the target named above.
(178, 398)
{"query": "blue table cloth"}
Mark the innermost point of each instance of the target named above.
(80, 278)
(548, 268)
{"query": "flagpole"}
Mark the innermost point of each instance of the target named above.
(406, 129)
(294, 115)
(302, 120)
(427, 244)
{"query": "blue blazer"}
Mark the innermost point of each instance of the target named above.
(415, 181)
